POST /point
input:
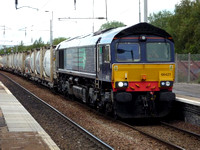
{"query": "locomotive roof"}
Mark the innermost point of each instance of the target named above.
(106, 37)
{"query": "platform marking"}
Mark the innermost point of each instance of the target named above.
(5, 88)
(187, 101)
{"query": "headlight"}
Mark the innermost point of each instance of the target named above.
(166, 83)
(121, 84)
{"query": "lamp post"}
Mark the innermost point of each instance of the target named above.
(51, 29)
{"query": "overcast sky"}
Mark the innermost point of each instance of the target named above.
(28, 24)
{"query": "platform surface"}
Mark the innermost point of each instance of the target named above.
(18, 129)
(187, 93)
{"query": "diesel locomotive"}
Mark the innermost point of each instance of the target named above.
(127, 71)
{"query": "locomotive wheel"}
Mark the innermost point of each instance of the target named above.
(115, 116)
(90, 102)
(108, 109)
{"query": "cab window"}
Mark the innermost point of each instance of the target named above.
(106, 54)
(127, 52)
(158, 52)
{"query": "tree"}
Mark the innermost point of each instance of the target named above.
(183, 25)
(38, 43)
(111, 24)
(56, 41)
(21, 47)
(161, 19)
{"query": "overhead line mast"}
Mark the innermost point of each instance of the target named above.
(145, 11)
(139, 12)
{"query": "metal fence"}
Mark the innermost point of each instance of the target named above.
(188, 68)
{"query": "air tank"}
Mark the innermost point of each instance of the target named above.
(9, 60)
(12, 61)
(1, 61)
(4, 60)
(37, 62)
(32, 61)
(15, 60)
(27, 64)
(20, 61)
(46, 63)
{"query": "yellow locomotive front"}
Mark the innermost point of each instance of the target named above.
(143, 72)
(143, 77)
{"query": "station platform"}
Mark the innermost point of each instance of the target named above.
(187, 93)
(18, 129)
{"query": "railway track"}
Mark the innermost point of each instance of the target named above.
(182, 130)
(75, 136)
(172, 136)
(139, 129)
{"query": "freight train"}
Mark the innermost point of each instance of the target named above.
(127, 71)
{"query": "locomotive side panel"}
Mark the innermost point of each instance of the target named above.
(87, 59)
(78, 60)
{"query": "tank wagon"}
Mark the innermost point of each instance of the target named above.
(37, 65)
(127, 71)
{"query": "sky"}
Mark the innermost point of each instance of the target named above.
(32, 18)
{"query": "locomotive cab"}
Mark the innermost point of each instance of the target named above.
(143, 71)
